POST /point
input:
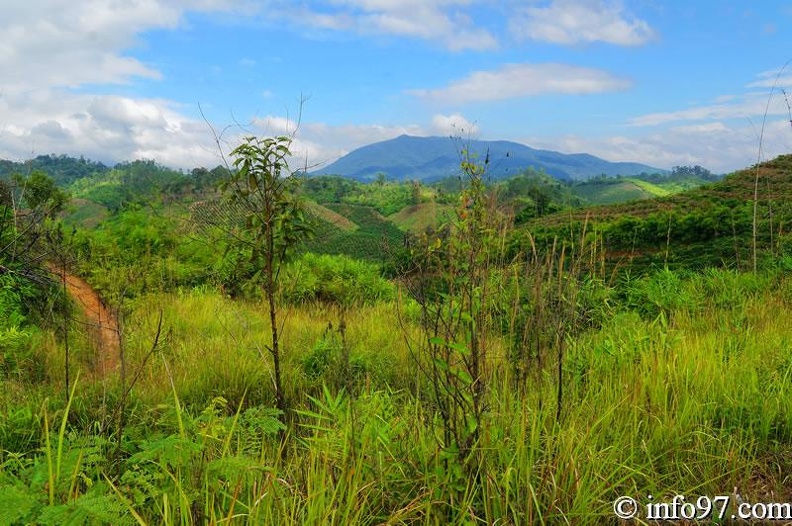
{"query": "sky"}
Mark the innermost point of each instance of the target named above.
(662, 82)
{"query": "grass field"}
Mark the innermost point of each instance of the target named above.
(417, 218)
(682, 390)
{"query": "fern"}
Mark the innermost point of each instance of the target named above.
(88, 509)
(234, 469)
(16, 505)
(258, 423)
(171, 451)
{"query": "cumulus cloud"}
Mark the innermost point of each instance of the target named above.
(106, 128)
(578, 21)
(57, 43)
(50, 47)
(454, 124)
(443, 21)
(523, 80)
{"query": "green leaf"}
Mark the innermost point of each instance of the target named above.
(441, 364)
(15, 505)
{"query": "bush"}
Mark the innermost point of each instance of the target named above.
(16, 350)
(662, 292)
(334, 279)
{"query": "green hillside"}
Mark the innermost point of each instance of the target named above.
(500, 371)
(609, 192)
(709, 225)
(374, 238)
(612, 190)
(417, 218)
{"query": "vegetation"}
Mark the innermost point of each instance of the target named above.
(513, 360)
(274, 223)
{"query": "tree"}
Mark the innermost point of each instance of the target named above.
(40, 193)
(6, 195)
(417, 194)
(451, 279)
(274, 222)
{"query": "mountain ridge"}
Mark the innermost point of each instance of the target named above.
(432, 158)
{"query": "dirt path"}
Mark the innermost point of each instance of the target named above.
(102, 325)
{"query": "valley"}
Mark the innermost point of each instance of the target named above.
(458, 350)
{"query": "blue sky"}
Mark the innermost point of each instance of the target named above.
(661, 82)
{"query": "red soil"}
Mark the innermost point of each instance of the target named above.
(102, 324)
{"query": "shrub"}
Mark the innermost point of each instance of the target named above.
(335, 279)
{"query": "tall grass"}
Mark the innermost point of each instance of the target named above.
(683, 395)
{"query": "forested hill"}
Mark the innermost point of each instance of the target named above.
(712, 225)
(63, 169)
(774, 186)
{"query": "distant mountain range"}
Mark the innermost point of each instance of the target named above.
(433, 158)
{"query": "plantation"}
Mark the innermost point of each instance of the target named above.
(332, 352)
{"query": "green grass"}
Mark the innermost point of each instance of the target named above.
(606, 193)
(417, 218)
(85, 213)
(372, 240)
(683, 390)
(654, 190)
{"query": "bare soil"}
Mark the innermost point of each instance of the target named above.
(102, 325)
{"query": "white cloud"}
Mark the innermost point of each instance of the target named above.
(523, 80)
(747, 107)
(52, 46)
(106, 128)
(717, 146)
(579, 21)
(56, 43)
(443, 21)
(778, 79)
(454, 124)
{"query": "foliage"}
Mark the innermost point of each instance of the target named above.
(385, 197)
(61, 168)
(652, 407)
(710, 225)
(374, 239)
(337, 280)
(27, 296)
(437, 409)
(144, 183)
(452, 284)
(275, 221)
(38, 192)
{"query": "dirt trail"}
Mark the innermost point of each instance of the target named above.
(102, 325)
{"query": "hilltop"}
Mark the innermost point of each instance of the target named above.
(433, 158)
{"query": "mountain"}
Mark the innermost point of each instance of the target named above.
(433, 158)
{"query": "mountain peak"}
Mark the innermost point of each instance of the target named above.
(408, 157)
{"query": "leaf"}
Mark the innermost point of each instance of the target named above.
(441, 364)
(88, 509)
(472, 424)
(15, 505)
(464, 376)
